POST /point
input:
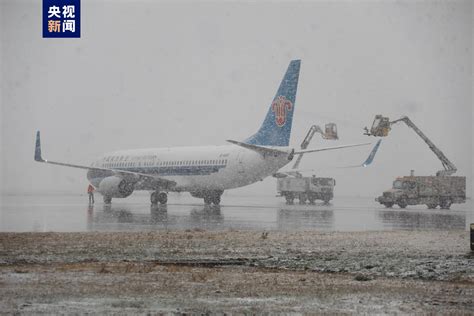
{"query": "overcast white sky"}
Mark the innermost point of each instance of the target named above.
(157, 74)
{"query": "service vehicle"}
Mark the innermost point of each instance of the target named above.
(429, 190)
(293, 185)
(441, 190)
(306, 189)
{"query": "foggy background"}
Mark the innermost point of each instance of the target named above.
(158, 74)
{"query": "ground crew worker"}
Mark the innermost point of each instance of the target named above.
(90, 190)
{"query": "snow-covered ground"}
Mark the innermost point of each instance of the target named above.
(198, 271)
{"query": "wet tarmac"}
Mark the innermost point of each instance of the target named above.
(72, 213)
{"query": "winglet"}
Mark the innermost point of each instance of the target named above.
(371, 157)
(38, 148)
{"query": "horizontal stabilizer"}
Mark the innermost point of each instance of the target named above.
(259, 149)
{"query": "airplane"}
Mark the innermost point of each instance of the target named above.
(205, 171)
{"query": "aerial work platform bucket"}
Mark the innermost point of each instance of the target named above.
(380, 127)
(330, 131)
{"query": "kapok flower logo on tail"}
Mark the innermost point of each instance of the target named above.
(61, 18)
(281, 106)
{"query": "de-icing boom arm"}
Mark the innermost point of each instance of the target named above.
(330, 133)
(449, 167)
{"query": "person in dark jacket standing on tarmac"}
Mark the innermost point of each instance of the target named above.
(90, 190)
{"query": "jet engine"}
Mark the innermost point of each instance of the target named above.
(115, 187)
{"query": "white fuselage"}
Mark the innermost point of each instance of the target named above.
(194, 168)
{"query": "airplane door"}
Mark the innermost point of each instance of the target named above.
(240, 162)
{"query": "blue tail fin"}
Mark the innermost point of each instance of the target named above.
(276, 128)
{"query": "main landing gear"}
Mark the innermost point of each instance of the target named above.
(210, 197)
(158, 197)
(213, 197)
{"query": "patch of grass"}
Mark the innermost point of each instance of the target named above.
(103, 269)
(362, 278)
(201, 276)
(128, 304)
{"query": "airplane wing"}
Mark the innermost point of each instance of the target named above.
(369, 159)
(262, 149)
(137, 176)
(304, 151)
(295, 172)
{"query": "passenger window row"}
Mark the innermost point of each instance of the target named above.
(126, 164)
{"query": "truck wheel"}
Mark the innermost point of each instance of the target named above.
(302, 198)
(216, 200)
(154, 198)
(432, 205)
(388, 204)
(445, 204)
(402, 204)
(326, 199)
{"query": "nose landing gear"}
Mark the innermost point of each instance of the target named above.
(158, 197)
